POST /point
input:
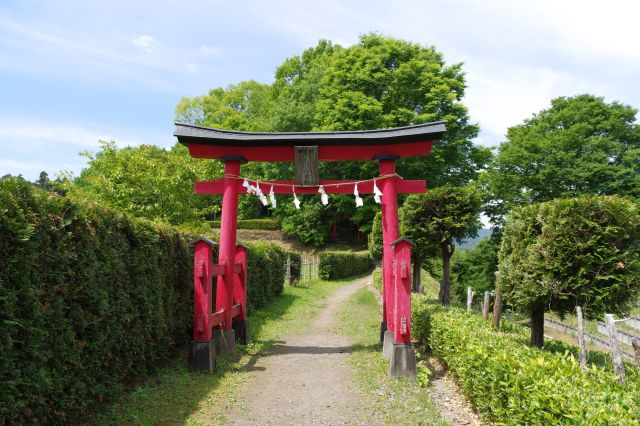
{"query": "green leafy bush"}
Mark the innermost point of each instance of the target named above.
(571, 252)
(91, 298)
(296, 265)
(342, 264)
(509, 382)
(375, 238)
(254, 224)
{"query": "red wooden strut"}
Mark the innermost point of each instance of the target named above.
(390, 233)
(345, 186)
(227, 252)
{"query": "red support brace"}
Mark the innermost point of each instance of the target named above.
(402, 290)
(227, 252)
(202, 288)
(345, 186)
(240, 286)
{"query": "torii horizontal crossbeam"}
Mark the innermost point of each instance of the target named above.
(330, 186)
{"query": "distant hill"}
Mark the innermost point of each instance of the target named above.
(471, 242)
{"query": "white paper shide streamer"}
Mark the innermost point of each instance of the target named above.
(358, 199)
(272, 197)
(376, 193)
(324, 198)
(263, 198)
(295, 199)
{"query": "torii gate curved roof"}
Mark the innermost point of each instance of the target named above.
(409, 141)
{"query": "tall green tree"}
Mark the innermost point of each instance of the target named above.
(580, 145)
(147, 181)
(570, 252)
(435, 220)
(379, 82)
(475, 267)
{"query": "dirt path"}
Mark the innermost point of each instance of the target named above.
(306, 378)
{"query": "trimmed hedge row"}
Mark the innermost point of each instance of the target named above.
(335, 265)
(91, 298)
(296, 265)
(254, 224)
(509, 382)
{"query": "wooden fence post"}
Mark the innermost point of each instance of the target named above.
(581, 342)
(497, 311)
(616, 354)
(635, 343)
(469, 298)
(485, 305)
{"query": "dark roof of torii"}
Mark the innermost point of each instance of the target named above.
(190, 134)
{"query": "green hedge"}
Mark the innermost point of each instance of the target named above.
(342, 264)
(509, 382)
(91, 299)
(296, 265)
(262, 224)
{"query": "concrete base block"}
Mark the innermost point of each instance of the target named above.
(387, 344)
(403, 362)
(225, 341)
(202, 356)
(241, 330)
(383, 328)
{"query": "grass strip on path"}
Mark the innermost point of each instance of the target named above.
(178, 396)
(400, 401)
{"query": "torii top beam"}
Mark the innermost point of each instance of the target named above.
(409, 141)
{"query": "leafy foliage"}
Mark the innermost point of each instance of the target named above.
(148, 182)
(567, 252)
(435, 219)
(475, 268)
(375, 238)
(335, 265)
(91, 298)
(581, 145)
(511, 383)
(380, 82)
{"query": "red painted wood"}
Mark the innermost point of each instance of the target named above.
(240, 282)
(202, 288)
(390, 233)
(238, 268)
(217, 318)
(346, 187)
(227, 249)
(217, 270)
(402, 292)
(325, 152)
(236, 310)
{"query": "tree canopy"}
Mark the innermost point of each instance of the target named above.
(571, 252)
(147, 181)
(581, 145)
(436, 219)
(380, 82)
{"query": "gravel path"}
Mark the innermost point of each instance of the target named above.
(306, 378)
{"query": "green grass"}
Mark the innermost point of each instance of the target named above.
(177, 396)
(400, 401)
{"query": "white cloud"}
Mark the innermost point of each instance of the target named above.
(146, 42)
(192, 68)
(30, 145)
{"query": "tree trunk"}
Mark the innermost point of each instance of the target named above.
(537, 326)
(445, 284)
(417, 280)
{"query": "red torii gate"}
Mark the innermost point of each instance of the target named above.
(217, 330)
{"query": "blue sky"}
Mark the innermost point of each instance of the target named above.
(74, 72)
